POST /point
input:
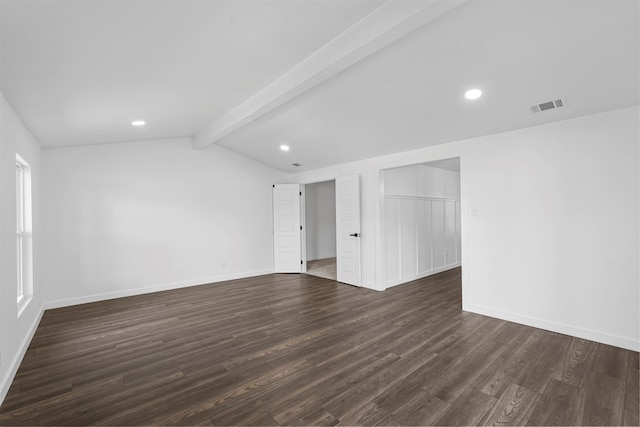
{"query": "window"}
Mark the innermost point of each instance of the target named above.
(23, 233)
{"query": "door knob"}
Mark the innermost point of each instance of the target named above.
(354, 235)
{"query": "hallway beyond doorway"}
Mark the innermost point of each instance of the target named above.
(323, 268)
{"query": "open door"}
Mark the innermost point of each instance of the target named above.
(348, 229)
(287, 243)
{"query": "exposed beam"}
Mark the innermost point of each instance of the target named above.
(386, 24)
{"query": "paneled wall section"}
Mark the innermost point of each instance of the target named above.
(421, 222)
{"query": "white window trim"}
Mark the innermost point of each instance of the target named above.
(24, 253)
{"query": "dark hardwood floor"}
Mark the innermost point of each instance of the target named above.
(302, 350)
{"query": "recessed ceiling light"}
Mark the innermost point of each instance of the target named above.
(473, 94)
(138, 123)
(284, 147)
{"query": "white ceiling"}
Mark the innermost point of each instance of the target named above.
(79, 72)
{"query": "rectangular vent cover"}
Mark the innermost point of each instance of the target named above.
(549, 105)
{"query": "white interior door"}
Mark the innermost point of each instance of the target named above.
(287, 244)
(348, 229)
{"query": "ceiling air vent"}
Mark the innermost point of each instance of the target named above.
(296, 164)
(549, 105)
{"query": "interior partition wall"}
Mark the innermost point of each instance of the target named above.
(320, 220)
(422, 221)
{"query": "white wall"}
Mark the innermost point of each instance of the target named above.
(16, 331)
(320, 220)
(422, 181)
(554, 229)
(550, 230)
(130, 218)
(421, 222)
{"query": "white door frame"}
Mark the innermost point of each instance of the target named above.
(303, 228)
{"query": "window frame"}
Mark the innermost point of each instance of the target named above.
(24, 253)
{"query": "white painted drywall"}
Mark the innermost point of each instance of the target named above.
(422, 181)
(320, 219)
(554, 225)
(549, 215)
(16, 331)
(421, 222)
(130, 218)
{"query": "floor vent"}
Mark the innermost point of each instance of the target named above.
(549, 105)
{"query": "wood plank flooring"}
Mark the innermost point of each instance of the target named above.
(303, 350)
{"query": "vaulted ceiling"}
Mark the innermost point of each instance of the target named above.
(335, 80)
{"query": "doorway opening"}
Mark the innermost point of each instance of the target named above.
(422, 220)
(289, 228)
(320, 226)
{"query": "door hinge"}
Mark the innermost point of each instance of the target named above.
(301, 193)
(300, 262)
(300, 227)
(274, 186)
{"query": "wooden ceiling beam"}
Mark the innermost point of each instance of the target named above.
(391, 21)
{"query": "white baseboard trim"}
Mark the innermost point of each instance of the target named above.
(147, 290)
(17, 360)
(561, 328)
(372, 286)
(397, 282)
